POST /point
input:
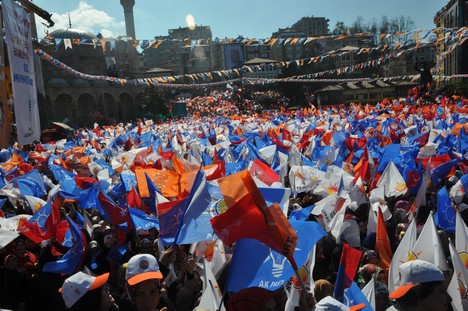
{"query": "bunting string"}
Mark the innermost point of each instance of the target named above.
(453, 38)
(234, 75)
(383, 41)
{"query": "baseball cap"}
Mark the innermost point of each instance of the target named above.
(415, 272)
(77, 285)
(142, 267)
(331, 304)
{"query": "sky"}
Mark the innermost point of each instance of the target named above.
(249, 18)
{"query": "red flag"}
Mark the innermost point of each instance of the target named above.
(351, 257)
(435, 161)
(263, 172)
(249, 217)
(113, 213)
(287, 135)
(134, 200)
(85, 182)
(278, 142)
(31, 230)
(382, 245)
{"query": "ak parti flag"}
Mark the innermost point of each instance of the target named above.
(248, 216)
(382, 243)
(167, 181)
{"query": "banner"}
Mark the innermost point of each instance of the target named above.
(20, 53)
(5, 113)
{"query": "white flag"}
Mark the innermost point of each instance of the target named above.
(392, 182)
(337, 225)
(460, 271)
(34, 203)
(212, 296)
(369, 292)
(401, 255)
(219, 258)
(428, 246)
(453, 292)
(461, 236)
(304, 178)
(306, 272)
(326, 208)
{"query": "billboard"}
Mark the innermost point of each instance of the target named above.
(20, 53)
(233, 56)
(5, 113)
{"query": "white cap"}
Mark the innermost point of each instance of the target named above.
(415, 272)
(142, 267)
(331, 304)
(77, 285)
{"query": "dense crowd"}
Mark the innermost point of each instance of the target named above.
(126, 266)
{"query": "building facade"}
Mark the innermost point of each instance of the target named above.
(184, 50)
(78, 101)
(453, 15)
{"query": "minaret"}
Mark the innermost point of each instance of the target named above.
(130, 27)
(129, 21)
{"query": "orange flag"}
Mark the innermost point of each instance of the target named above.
(248, 216)
(15, 161)
(382, 245)
(166, 181)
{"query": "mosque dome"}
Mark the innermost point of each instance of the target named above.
(71, 33)
(57, 82)
(80, 83)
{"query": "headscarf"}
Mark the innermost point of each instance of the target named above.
(368, 256)
(368, 271)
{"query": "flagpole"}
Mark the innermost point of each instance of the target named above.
(222, 300)
(213, 290)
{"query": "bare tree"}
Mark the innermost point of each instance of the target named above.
(340, 28)
(358, 25)
(384, 26)
(402, 24)
(372, 27)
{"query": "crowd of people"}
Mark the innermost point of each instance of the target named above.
(122, 265)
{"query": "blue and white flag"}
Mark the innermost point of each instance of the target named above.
(256, 265)
(142, 221)
(195, 225)
(354, 296)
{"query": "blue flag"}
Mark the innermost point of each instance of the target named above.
(354, 296)
(31, 184)
(442, 170)
(117, 253)
(169, 214)
(390, 153)
(142, 221)
(129, 181)
(445, 215)
(71, 261)
(194, 224)
(152, 189)
(256, 265)
(60, 173)
(301, 214)
(276, 195)
(41, 216)
(89, 197)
